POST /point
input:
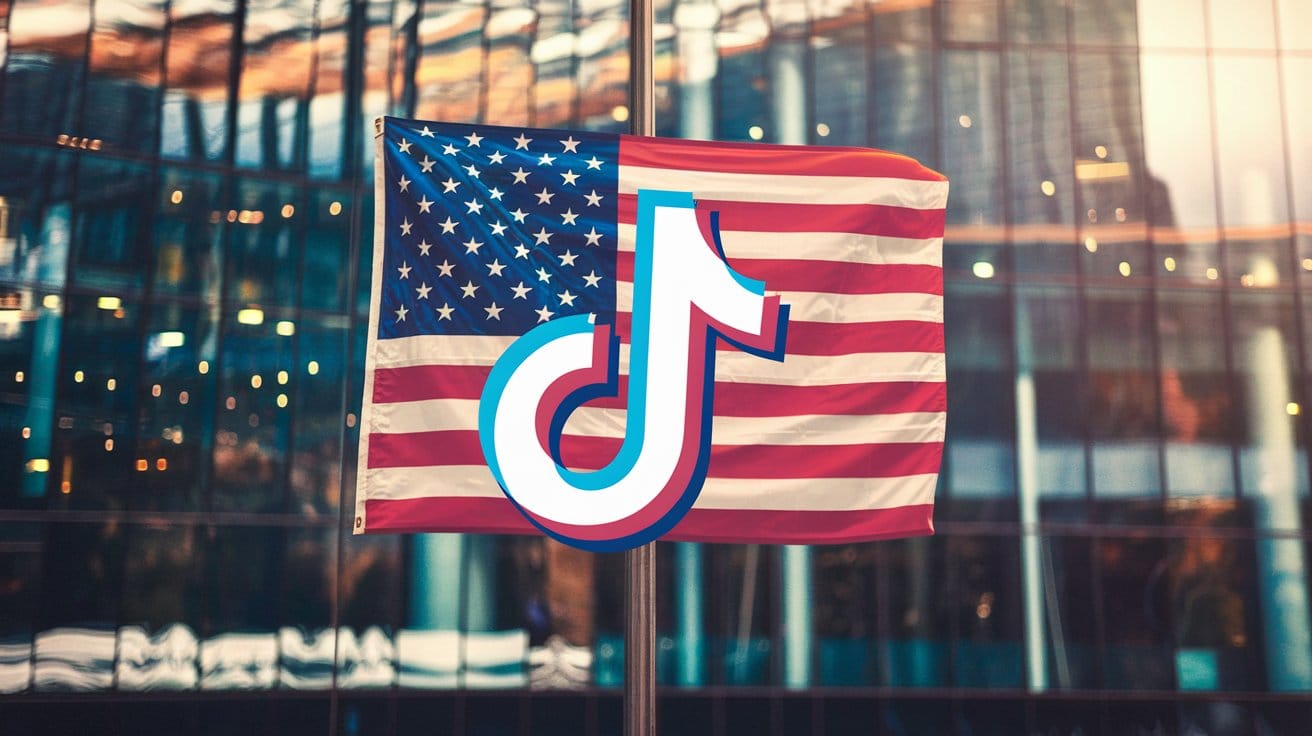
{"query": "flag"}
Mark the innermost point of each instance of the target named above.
(484, 232)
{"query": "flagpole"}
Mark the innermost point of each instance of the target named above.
(640, 562)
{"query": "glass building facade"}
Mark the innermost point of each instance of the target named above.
(1123, 544)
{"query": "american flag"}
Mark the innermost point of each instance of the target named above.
(483, 232)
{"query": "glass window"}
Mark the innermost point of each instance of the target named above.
(1298, 118)
(601, 65)
(1198, 411)
(327, 104)
(20, 596)
(1176, 129)
(1123, 415)
(987, 597)
(1098, 22)
(1048, 334)
(741, 618)
(839, 90)
(1039, 137)
(263, 246)
(1070, 596)
(111, 227)
(316, 439)
(1136, 610)
(1293, 16)
(1172, 24)
(271, 99)
(1249, 142)
(509, 35)
(194, 120)
(36, 216)
(43, 80)
(1266, 362)
(918, 608)
(189, 216)
(969, 20)
(449, 75)
(1241, 24)
(902, 85)
(980, 458)
(971, 129)
(122, 96)
(845, 602)
(1036, 21)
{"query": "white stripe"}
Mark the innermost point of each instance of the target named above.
(819, 246)
(801, 429)
(720, 185)
(810, 306)
(784, 494)
(441, 349)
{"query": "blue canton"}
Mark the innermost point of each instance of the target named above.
(492, 230)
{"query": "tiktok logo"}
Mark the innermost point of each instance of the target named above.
(685, 298)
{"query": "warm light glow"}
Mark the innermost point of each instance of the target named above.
(27, 432)
(756, 132)
(38, 465)
(251, 316)
(965, 121)
(183, 397)
(109, 445)
(282, 378)
(79, 376)
(162, 464)
(285, 328)
(288, 211)
(176, 197)
(1169, 263)
(50, 301)
(1101, 170)
(1091, 244)
(203, 367)
(111, 384)
(1246, 279)
(1212, 274)
(1307, 264)
(156, 390)
(109, 303)
(1120, 214)
(822, 130)
(1048, 188)
(1293, 409)
(620, 113)
(18, 377)
(230, 403)
(350, 419)
(256, 381)
(335, 208)
(312, 368)
(65, 487)
(1100, 151)
(1124, 268)
(982, 269)
(172, 339)
(142, 465)
(232, 215)
(282, 400)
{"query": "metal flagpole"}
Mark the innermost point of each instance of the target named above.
(640, 563)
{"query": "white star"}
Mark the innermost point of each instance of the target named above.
(424, 247)
(448, 226)
(426, 132)
(568, 217)
(521, 251)
(498, 228)
(521, 143)
(592, 278)
(450, 185)
(423, 290)
(594, 199)
(472, 246)
(495, 193)
(404, 146)
(521, 291)
(404, 183)
(400, 313)
(594, 163)
(445, 268)
(495, 268)
(450, 150)
(497, 157)
(567, 298)
(519, 215)
(568, 258)
(469, 288)
(543, 276)
(521, 176)
(444, 311)
(404, 268)
(406, 225)
(473, 171)
(571, 145)
(544, 197)
(475, 207)
(569, 176)
(424, 203)
(594, 237)
(543, 237)
(493, 312)
(474, 139)
(544, 314)
(427, 164)
(546, 159)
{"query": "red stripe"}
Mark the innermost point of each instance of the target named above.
(498, 516)
(781, 217)
(765, 158)
(834, 277)
(823, 338)
(884, 460)
(731, 399)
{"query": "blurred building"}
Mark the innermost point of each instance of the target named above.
(185, 193)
